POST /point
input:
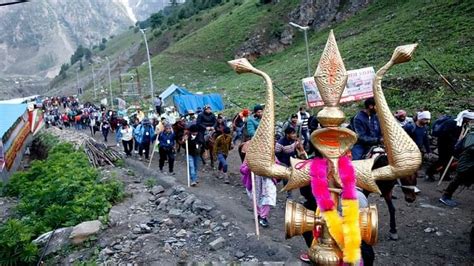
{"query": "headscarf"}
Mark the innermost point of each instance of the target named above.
(424, 115)
(400, 113)
(464, 114)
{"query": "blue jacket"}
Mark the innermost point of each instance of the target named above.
(166, 140)
(252, 125)
(367, 129)
(144, 133)
(419, 135)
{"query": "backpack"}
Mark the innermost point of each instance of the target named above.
(437, 128)
(469, 141)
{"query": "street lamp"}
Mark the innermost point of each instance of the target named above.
(149, 64)
(305, 29)
(110, 84)
(93, 79)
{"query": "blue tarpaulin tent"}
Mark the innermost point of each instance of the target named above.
(170, 92)
(193, 101)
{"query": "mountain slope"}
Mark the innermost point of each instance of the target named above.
(443, 30)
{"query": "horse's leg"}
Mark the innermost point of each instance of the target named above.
(203, 150)
(391, 211)
(211, 155)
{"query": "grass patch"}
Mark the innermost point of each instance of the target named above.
(443, 30)
(61, 191)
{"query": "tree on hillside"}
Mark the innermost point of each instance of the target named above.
(87, 54)
(156, 20)
(62, 71)
(78, 54)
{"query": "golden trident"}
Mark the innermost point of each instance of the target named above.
(333, 141)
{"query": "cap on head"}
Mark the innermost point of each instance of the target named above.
(257, 108)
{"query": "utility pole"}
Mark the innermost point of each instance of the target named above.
(149, 64)
(110, 84)
(305, 29)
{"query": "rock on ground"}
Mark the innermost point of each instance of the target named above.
(83, 230)
(59, 240)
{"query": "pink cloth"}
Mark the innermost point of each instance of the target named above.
(245, 177)
(348, 178)
(263, 211)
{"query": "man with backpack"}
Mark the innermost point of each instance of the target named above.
(144, 135)
(465, 168)
(447, 131)
(238, 124)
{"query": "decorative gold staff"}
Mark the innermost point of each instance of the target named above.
(333, 141)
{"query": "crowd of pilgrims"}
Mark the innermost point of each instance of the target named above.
(202, 129)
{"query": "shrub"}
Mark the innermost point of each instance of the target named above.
(60, 191)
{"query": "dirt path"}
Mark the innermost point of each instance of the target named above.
(430, 233)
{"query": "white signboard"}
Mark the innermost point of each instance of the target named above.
(121, 104)
(358, 87)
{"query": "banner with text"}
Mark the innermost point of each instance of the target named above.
(358, 87)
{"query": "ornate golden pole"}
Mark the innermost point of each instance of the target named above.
(333, 142)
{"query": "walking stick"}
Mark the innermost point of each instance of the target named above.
(152, 153)
(254, 197)
(461, 136)
(187, 162)
(441, 75)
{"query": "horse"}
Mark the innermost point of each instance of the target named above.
(209, 140)
(179, 129)
(386, 187)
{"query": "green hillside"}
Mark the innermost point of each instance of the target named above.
(443, 29)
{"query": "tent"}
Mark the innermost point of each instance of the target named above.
(193, 101)
(173, 90)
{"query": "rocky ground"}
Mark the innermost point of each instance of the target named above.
(164, 222)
